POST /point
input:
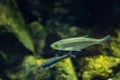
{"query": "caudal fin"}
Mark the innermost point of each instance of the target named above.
(105, 41)
(106, 38)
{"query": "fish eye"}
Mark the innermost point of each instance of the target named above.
(56, 46)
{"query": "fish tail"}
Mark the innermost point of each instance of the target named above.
(105, 40)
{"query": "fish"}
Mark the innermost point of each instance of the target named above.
(78, 43)
(54, 60)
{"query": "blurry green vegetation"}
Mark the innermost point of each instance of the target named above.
(73, 31)
(12, 20)
(97, 66)
(28, 70)
(65, 70)
(38, 34)
(115, 44)
(16, 62)
(116, 76)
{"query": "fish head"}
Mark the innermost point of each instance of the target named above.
(57, 46)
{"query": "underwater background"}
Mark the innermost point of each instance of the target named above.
(29, 27)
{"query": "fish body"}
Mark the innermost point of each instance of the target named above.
(77, 43)
(54, 60)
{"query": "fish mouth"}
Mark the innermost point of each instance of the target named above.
(51, 46)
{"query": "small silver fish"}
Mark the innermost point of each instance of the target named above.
(77, 43)
(54, 60)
